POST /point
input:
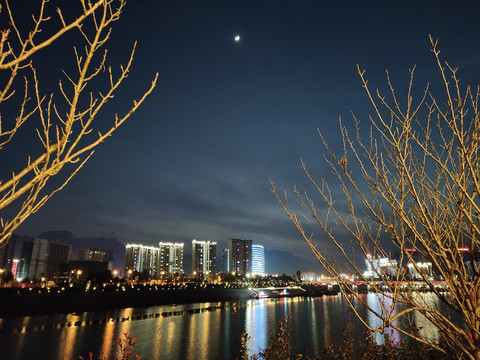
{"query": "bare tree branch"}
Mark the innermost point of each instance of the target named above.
(69, 138)
(419, 185)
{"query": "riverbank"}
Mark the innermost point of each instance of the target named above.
(36, 304)
(37, 301)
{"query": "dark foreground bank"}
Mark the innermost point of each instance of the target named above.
(36, 301)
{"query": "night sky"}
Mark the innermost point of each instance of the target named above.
(195, 161)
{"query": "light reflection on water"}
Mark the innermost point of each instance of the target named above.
(68, 337)
(256, 324)
(108, 340)
(214, 334)
(429, 332)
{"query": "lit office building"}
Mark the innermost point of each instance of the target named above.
(204, 257)
(240, 256)
(258, 260)
(171, 258)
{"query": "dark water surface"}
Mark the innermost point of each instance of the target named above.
(191, 331)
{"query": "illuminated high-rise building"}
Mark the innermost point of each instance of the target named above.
(46, 256)
(99, 255)
(380, 266)
(95, 254)
(132, 257)
(25, 260)
(142, 258)
(226, 260)
(204, 257)
(171, 258)
(258, 260)
(7, 254)
(240, 256)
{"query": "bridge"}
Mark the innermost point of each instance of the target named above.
(271, 292)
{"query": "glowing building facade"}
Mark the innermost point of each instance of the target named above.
(226, 260)
(381, 266)
(258, 260)
(171, 258)
(142, 259)
(204, 258)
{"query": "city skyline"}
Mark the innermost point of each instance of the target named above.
(80, 245)
(22, 256)
(156, 262)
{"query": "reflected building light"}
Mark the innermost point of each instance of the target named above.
(107, 342)
(68, 338)
(157, 346)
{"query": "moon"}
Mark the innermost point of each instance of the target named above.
(236, 38)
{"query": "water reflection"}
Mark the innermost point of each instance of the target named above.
(424, 325)
(256, 324)
(157, 339)
(171, 336)
(108, 339)
(326, 328)
(68, 340)
(206, 331)
(385, 307)
(193, 331)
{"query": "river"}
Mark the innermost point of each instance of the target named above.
(191, 331)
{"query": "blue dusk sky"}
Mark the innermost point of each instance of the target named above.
(227, 116)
